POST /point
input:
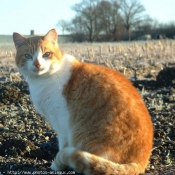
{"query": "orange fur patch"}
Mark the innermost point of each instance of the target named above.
(113, 115)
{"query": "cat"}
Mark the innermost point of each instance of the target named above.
(102, 123)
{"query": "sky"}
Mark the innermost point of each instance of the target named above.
(22, 16)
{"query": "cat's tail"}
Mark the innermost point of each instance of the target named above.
(90, 164)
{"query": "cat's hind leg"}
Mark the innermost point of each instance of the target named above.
(89, 164)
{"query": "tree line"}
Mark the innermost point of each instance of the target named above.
(110, 20)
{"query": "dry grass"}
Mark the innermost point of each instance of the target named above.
(133, 59)
(127, 57)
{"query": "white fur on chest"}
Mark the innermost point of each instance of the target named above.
(46, 94)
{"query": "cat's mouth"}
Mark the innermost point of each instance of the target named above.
(38, 71)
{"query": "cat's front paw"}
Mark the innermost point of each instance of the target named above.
(56, 167)
(56, 164)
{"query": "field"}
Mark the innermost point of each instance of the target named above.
(28, 143)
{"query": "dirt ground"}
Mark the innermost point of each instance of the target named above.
(28, 144)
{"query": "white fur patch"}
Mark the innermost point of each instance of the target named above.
(37, 55)
(54, 167)
(46, 94)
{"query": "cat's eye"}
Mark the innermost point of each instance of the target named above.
(28, 56)
(46, 54)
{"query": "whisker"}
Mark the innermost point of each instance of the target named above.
(27, 77)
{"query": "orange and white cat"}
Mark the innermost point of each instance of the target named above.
(101, 120)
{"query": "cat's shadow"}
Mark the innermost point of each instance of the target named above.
(146, 84)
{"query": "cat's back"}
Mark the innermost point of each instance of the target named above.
(95, 84)
(101, 90)
(99, 97)
(100, 80)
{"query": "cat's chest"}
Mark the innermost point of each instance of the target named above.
(49, 101)
(46, 97)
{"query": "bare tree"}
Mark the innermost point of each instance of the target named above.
(116, 20)
(146, 25)
(113, 19)
(110, 18)
(97, 17)
(63, 25)
(86, 11)
(132, 13)
(78, 25)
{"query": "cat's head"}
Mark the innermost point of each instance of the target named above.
(38, 55)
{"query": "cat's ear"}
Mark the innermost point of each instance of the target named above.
(51, 36)
(18, 39)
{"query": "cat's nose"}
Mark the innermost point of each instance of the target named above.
(37, 65)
